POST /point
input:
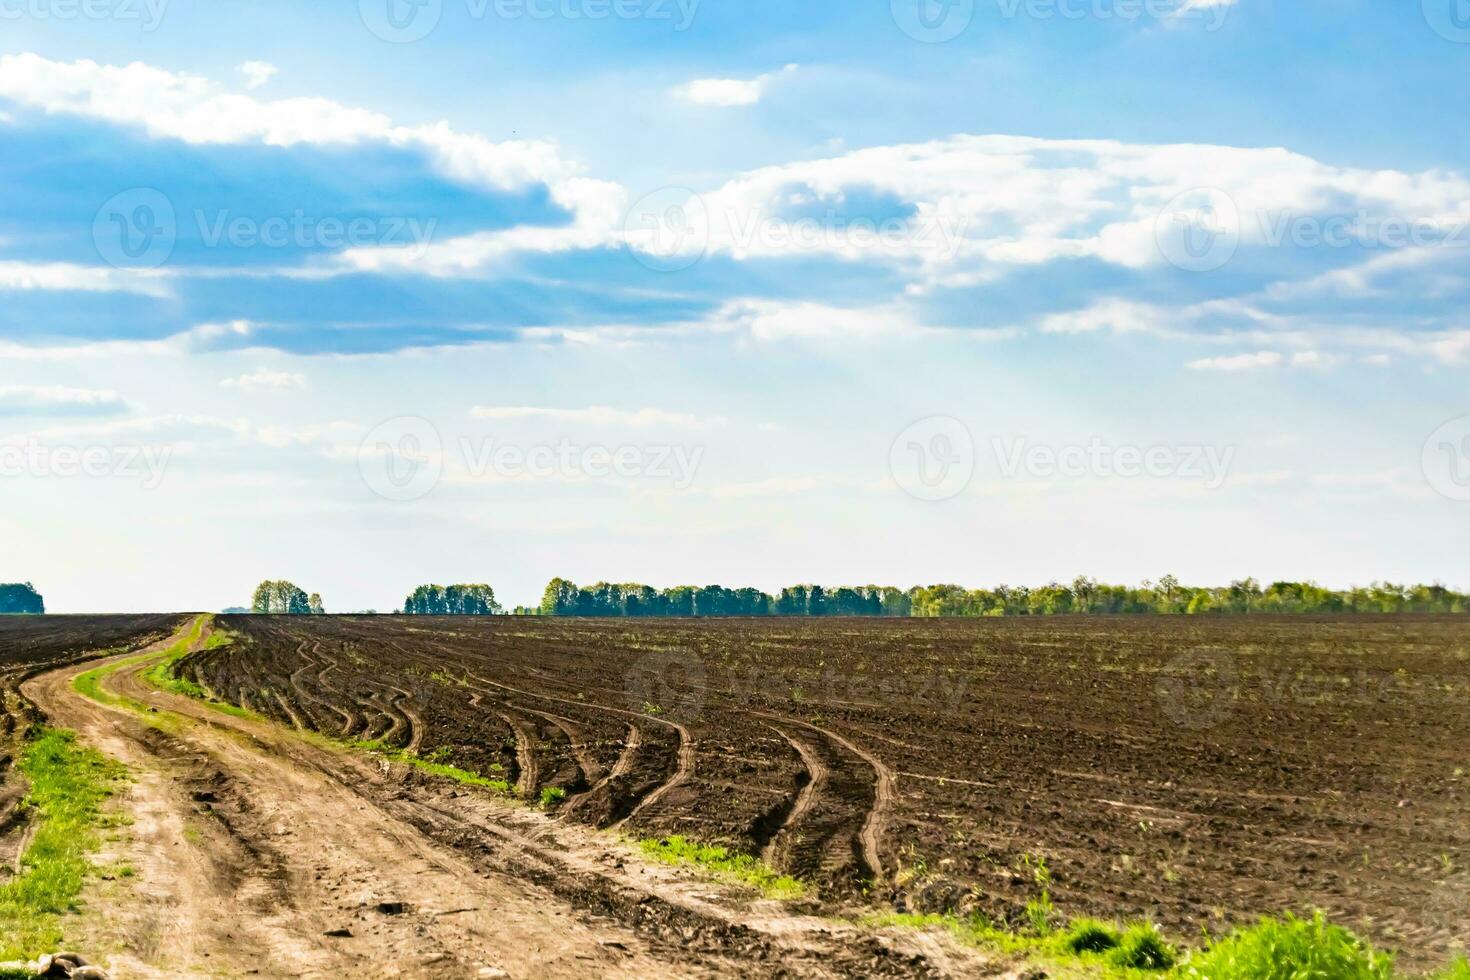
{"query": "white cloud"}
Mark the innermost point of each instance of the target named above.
(1313, 359)
(205, 337)
(1265, 359)
(975, 205)
(596, 415)
(727, 92)
(769, 321)
(1115, 315)
(1237, 362)
(63, 276)
(257, 73)
(56, 400)
(194, 109)
(265, 378)
(967, 210)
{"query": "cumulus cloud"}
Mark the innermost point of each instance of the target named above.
(200, 339)
(266, 379)
(1238, 362)
(966, 210)
(727, 92)
(16, 400)
(257, 73)
(193, 109)
(64, 276)
(768, 321)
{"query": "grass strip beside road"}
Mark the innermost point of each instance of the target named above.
(160, 676)
(69, 784)
(89, 683)
(721, 863)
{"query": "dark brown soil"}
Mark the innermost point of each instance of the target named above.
(1196, 772)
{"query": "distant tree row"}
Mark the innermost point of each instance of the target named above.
(282, 598)
(452, 600)
(1084, 595)
(21, 599)
(564, 598)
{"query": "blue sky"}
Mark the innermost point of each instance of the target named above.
(754, 293)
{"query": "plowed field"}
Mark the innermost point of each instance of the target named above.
(1195, 772)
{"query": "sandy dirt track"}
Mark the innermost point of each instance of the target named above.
(258, 852)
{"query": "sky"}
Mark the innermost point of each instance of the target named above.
(372, 294)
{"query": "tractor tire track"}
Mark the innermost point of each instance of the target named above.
(806, 797)
(885, 793)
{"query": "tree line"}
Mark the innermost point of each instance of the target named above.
(1167, 596)
(452, 600)
(21, 598)
(281, 598)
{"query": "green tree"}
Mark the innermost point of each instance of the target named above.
(560, 598)
(21, 598)
(281, 598)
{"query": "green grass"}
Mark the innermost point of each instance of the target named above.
(407, 758)
(89, 683)
(161, 674)
(1290, 949)
(1087, 947)
(722, 863)
(1274, 949)
(1091, 936)
(552, 795)
(1458, 970)
(69, 783)
(1143, 948)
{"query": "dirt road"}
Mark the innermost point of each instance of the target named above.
(257, 851)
